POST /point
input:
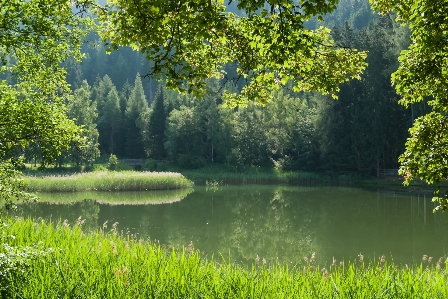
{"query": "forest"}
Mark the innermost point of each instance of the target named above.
(127, 113)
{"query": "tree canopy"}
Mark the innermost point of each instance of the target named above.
(423, 76)
(190, 41)
(35, 37)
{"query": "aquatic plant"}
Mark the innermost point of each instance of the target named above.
(109, 181)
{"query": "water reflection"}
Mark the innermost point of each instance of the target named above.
(281, 222)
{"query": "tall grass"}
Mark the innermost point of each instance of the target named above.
(268, 176)
(68, 263)
(109, 181)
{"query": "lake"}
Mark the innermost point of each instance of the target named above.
(272, 222)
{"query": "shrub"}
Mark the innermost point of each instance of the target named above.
(113, 162)
(150, 165)
(190, 161)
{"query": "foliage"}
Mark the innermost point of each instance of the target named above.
(83, 111)
(150, 165)
(16, 261)
(190, 161)
(112, 163)
(423, 75)
(134, 120)
(107, 265)
(11, 185)
(364, 131)
(154, 133)
(110, 119)
(191, 41)
(35, 38)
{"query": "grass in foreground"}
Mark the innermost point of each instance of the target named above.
(64, 262)
(109, 181)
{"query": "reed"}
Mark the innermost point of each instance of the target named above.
(268, 176)
(66, 262)
(108, 181)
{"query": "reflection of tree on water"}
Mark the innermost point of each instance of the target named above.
(88, 209)
(245, 222)
(273, 225)
(284, 222)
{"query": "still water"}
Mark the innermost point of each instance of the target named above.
(274, 222)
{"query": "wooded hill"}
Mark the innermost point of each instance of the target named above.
(133, 116)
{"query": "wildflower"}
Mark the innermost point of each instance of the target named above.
(383, 259)
(114, 226)
(430, 259)
(424, 258)
(325, 273)
(361, 257)
(334, 262)
(257, 259)
(305, 259)
(105, 224)
(264, 261)
(80, 221)
(313, 256)
(65, 223)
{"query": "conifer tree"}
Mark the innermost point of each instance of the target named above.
(111, 123)
(135, 116)
(155, 129)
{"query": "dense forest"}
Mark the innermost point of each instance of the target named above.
(127, 113)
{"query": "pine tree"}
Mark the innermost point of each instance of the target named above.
(155, 129)
(135, 118)
(111, 123)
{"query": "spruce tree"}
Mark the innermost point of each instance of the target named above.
(155, 129)
(135, 118)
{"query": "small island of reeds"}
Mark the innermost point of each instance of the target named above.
(40, 260)
(108, 181)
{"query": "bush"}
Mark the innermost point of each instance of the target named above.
(150, 165)
(189, 161)
(121, 166)
(113, 162)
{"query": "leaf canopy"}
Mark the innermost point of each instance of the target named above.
(190, 41)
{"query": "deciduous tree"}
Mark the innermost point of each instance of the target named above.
(35, 38)
(423, 74)
(190, 41)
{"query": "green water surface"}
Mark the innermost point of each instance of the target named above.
(281, 223)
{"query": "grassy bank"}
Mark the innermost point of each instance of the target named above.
(108, 181)
(64, 262)
(258, 175)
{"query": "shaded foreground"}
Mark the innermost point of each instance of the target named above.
(109, 181)
(43, 261)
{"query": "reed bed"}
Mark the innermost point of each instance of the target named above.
(109, 181)
(64, 262)
(268, 176)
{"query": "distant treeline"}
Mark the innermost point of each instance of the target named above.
(132, 116)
